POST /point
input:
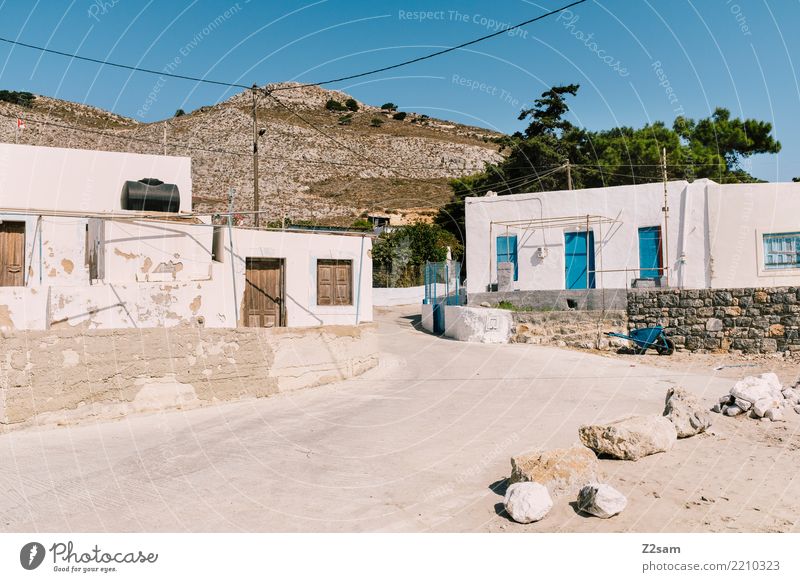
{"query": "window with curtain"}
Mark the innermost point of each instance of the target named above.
(782, 251)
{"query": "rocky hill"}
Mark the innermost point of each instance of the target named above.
(354, 162)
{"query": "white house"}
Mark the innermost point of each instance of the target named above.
(715, 236)
(108, 240)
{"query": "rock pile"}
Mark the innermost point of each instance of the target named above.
(760, 396)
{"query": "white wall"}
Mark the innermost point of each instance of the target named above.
(618, 248)
(301, 251)
(740, 215)
(387, 296)
(191, 290)
(33, 177)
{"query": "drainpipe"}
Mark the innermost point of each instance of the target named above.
(41, 260)
(358, 290)
(233, 265)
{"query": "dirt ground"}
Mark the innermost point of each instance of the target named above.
(420, 443)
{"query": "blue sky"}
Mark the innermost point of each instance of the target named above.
(636, 61)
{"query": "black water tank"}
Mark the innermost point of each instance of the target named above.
(152, 195)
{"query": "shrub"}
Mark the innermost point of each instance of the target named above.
(361, 224)
(376, 122)
(399, 116)
(334, 105)
(351, 104)
(389, 106)
(23, 98)
(180, 113)
(346, 119)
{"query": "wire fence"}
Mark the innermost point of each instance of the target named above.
(405, 276)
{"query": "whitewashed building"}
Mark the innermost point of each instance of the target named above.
(108, 240)
(715, 236)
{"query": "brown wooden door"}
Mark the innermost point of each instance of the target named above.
(263, 293)
(12, 254)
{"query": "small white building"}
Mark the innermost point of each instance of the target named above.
(716, 236)
(108, 240)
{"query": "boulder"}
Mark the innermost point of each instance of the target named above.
(560, 470)
(745, 405)
(732, 410)
(774, 414)
(601, 500)
(527, 502)
(684, 410)
(753, 388)
(761, 407)
(630, 438)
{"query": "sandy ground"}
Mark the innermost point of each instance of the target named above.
(422, 443)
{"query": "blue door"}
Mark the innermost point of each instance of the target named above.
(577, 261)
(507, 252)
(650, 252)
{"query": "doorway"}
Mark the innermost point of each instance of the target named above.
(579, 256)
(12, 254)
(650, 252)
(264, 293)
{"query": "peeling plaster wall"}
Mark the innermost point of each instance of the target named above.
(157, 252)
(23, 308)
(58, 377)
(82, 180)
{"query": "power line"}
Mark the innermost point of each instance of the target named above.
(242, 86)
(119, 65)
(434, 54)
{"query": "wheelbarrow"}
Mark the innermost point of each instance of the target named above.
(648, 337)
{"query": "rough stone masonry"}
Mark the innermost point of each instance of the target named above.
(750, 320)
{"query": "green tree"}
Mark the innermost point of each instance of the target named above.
(351, 104)
(399, 116)
(399, 256)
(179, 113)
(712, 147)
(389, 106)
(334, 105)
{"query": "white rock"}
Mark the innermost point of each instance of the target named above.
(630, 438)
(684, 410)
(717, 408)
(560, 470)
(745, 405)
(527, 502)
(723, 400)
(762, 405)
(601, 500)
(754, 388)
(774, 414)
(732, 410)
(485, 304)
(797, 409)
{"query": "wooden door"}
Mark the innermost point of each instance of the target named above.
(12, 254)
(263, 293)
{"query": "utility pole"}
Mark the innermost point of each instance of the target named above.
(165, 138)
(255, 156)
(231, 194)
(569, 174)
(665, 209)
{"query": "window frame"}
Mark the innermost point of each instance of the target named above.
(350, 283)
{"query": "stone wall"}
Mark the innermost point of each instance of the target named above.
(575, 329)
(751, 320)
(59, 376)
(556, 300)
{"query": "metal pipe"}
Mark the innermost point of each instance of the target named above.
(230, 242)
(358, 290)
(588, 263)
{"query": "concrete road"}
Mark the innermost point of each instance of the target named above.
(414, 445)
